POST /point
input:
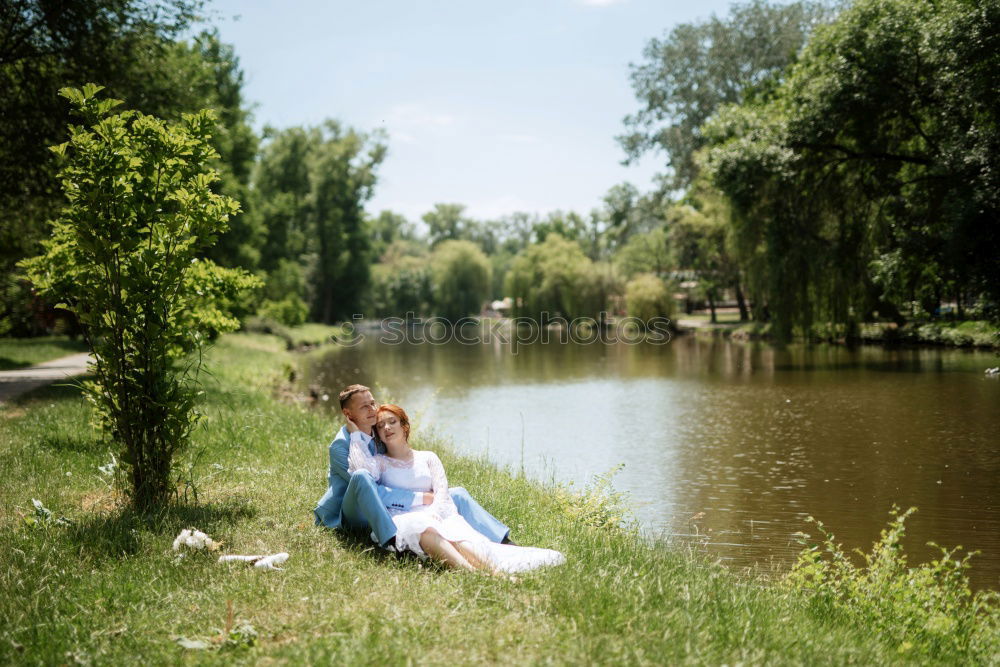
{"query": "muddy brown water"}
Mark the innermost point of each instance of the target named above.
(727, 447)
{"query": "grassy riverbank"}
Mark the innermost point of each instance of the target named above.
(972, 333)
(108, 589)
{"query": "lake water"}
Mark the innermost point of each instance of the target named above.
(727, 447)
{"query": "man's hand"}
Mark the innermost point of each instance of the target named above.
(352, 427)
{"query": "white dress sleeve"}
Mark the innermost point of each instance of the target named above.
(442, 506)
(360, 458)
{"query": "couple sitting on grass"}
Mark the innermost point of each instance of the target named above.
(378, 483)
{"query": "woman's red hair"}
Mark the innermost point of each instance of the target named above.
(400, 413)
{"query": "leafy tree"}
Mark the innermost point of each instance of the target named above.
(282, 298)
(388, 227)
(123, 256)
(311, 185)
(282, 188)
(557, 278)
(698, 244)
(343, 179)
(627, 212)
(500, 262)
(871, 171)
(602, 291)
(401, 282)
(645, 253)
(132, 47)
(697, 67)
(517, 230)
(567, 225)
(401, 288)
(446, 222)
(45, 44)
(647, 297)
(461, 278)
(214, 72)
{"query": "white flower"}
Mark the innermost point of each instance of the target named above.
(195, 539)
(181, 539)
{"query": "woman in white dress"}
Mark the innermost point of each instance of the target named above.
(434, 529)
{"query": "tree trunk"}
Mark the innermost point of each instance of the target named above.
(741, 302)
(711, 304)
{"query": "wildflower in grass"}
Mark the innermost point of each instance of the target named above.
(195, 539)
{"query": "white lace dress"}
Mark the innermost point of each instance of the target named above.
(425, 474)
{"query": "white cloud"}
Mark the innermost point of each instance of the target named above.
(601, 3)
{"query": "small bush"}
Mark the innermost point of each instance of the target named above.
(124, 258)
(290, 311)
(597, 505)
(647, 297)
(926, 611)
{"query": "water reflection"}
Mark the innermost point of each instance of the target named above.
(726, 446)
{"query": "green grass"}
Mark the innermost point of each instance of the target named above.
(311, 333)
(971, 333)
(24, 352)
(108, 589)
(962, 334)
(706, 317)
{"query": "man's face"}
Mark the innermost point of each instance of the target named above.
(361, 409)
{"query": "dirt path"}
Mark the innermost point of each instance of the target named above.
(16, 382)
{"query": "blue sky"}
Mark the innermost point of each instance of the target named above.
(501, 106)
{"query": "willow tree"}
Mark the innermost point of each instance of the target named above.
(555, 277)
(462, 278)
(871, 173)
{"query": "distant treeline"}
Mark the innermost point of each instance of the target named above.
(823, 164)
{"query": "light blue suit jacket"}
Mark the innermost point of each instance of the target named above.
(328, 510)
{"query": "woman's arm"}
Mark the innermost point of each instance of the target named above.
(443, 506)
(360, 458)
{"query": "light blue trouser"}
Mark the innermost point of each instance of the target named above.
(363, 509)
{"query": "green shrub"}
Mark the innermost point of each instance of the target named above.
(290, 311)
(124, 257)
(597, 505)
(926, 611)
(646, 298)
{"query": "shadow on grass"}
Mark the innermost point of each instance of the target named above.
(72, 443)
(360, 541)
(62, 390)
(118, 533)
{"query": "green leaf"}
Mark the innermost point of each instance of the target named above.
(73, 95)
(91, 89)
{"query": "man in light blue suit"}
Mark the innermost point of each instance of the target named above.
(357, 501)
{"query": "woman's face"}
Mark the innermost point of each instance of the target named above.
(389, 429)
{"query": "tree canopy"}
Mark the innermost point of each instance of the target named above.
(697, 67)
